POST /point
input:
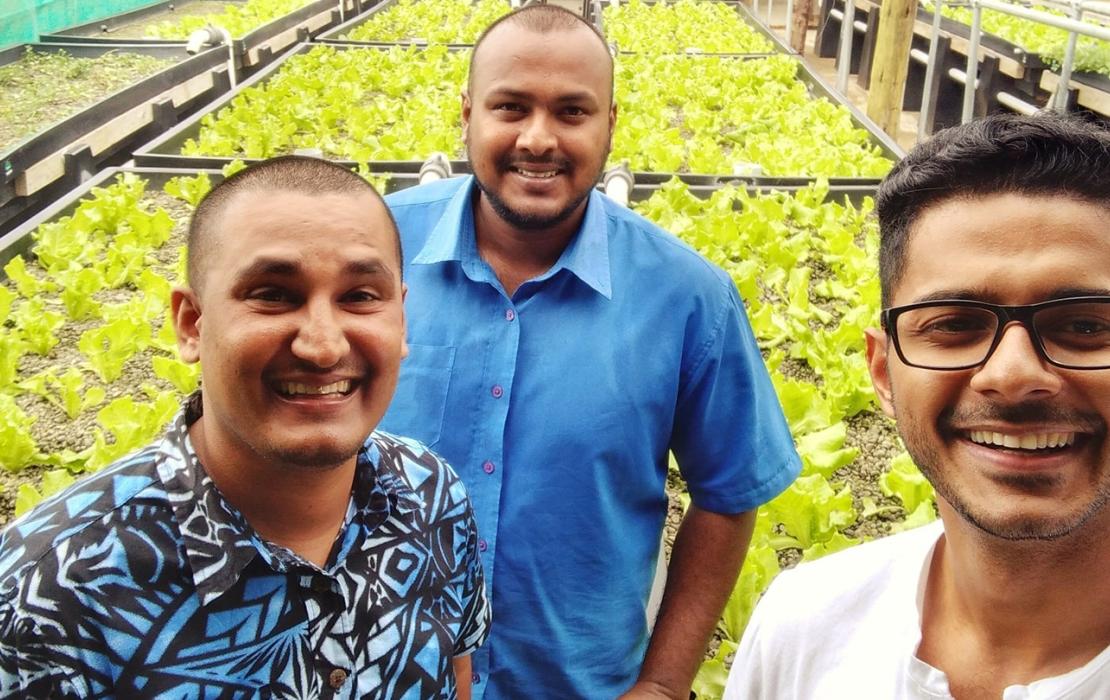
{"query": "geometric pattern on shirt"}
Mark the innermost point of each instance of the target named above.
(143, 581)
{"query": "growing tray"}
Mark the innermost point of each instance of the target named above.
(19, 241)
(594, 15)
(47, 163)
(335, 34)
(251, 51)
(165, 150)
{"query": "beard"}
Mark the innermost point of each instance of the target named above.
(531, 221)
(921, 446)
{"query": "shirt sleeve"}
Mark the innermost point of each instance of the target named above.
(468, 582)
(730, 437)
(27, 669)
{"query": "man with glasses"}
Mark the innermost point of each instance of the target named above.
(994, 358)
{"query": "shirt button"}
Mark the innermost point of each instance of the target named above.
(509, 314)
(337, 678)
(487, 467)
(475, 678)
(497, 391)
(482, 545)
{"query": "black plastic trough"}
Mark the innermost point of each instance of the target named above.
(51, 161)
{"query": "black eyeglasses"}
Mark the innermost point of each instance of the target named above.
(1072, 333)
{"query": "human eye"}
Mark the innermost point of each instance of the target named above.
(270, 295)
(509, 108)
(574, 111)
(1082, 325)
(948, 325)
(361, 296)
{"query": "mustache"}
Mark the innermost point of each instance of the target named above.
(1025, 412)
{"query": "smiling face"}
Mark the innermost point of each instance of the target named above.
(300, 327)
(974, 433)
(538, 123)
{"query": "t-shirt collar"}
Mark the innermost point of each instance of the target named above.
(453, 239)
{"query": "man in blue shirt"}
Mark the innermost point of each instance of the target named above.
(261, 549)
(560, 347)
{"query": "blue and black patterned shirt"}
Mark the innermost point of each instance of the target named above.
(142, 581)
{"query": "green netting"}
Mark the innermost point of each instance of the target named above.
(23, 20)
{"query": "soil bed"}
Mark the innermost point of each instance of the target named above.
(138, 29)
(41, 89)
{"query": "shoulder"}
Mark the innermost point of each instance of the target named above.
(79, 527)
(422, 195)
(844, 583)
(631, 234)
(841, 626)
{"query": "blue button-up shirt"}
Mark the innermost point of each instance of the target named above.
(142, 581)
(558, 406)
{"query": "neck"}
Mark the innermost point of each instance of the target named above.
(1028, 609)
(300, 508)
(518, 255)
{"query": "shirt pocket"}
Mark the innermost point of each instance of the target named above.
(420, 402)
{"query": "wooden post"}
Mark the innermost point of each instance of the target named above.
(891, 63)
(799, 25)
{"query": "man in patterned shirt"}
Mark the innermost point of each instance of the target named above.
(259, 549)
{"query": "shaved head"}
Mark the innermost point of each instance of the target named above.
(543, 19)
(281, 174)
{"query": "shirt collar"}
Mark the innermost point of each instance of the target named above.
(219, 543)
(453, 239)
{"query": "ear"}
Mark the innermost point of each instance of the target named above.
(612, 123)
(404, 323)
(186, 322)
(878, 363)
(465, 114)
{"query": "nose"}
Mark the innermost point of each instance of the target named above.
(536, 136)
(321, 339)
(1015, 370)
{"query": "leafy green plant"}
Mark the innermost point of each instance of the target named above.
(189, 189)
(1049, 43)
(684, 25)
(438, 22)
(52, 482)
(37, 325)
(109, 346)
(183, 376)
(135, 423)
(17, 447)
(238, 20)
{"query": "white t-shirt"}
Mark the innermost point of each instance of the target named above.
(848, 626)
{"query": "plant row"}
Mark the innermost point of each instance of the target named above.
(698, 114)
(1091, 55)
(439, 22)
(681, 26)
(238, 19)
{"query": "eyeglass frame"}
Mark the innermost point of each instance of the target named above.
(1021, 313)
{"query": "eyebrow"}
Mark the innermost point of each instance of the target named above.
(983, 295)
(283, 267)
(577, 96)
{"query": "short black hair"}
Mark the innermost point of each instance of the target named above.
(1044, 154)
(543, 19)
(301, 174)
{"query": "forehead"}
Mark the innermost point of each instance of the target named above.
(1006, 248)
(513, 54)
(306, 225)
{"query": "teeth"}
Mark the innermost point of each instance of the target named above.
(298, 389)
(540, 175)
(1029, 441)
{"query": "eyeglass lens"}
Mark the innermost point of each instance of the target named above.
(1074, 334)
